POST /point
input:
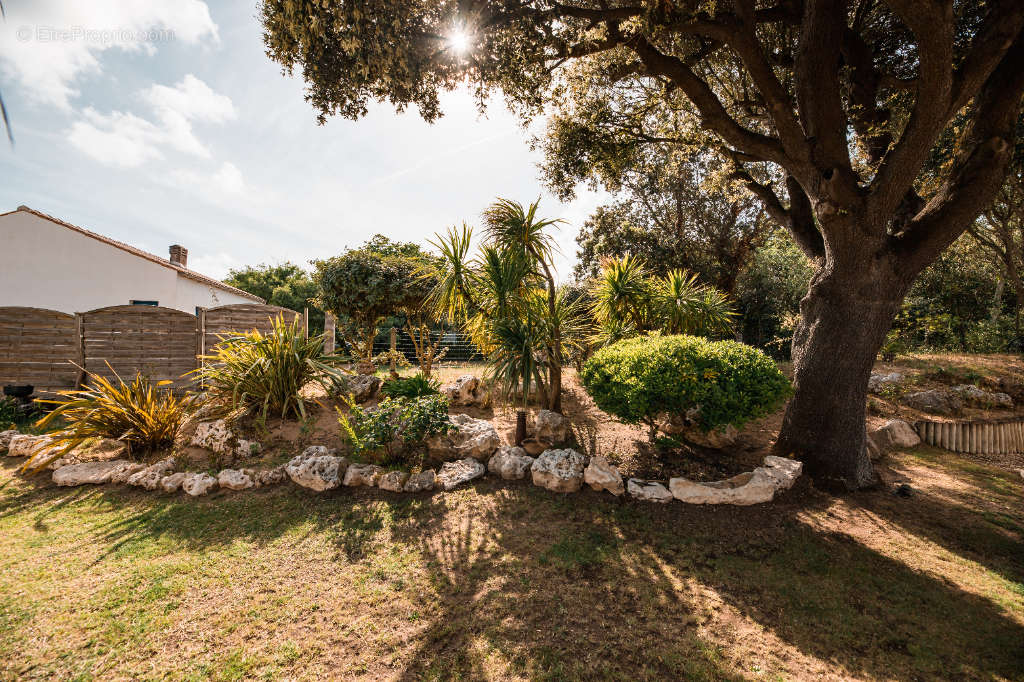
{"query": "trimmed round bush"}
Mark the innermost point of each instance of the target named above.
(645, 378)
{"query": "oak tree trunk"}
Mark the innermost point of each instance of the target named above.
(843, 323)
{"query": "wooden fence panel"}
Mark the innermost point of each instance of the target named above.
(232, 320)
(157, 342)
(38, 347)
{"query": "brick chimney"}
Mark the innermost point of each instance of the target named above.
(179, 255)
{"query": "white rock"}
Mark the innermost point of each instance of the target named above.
(172, 483)
(270, 476)
(64, 461)
(601, 475)
(475, 438)
(216, 437)
(784, 470)
(935, 401)
(125, 471)
(983, 397)
(87, 472)
(717, 492)
(150, 477)
(466, 390)
(5, 438)
(752, 487)
(393, 481)
(649, 491)
(23, 445)
(198, 484)
(877, 380)
(461, 471)
(551, 426)
(716, 439)
(896, 433)
(511, 463)
(317, 471)
(233, 479)
(363, 475)
(363, 387)
(420, 482)
(559, 470)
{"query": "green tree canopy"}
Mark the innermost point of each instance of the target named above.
(364, 286)
(828, 111)
(286, 284)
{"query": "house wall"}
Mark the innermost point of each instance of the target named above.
(46, 265)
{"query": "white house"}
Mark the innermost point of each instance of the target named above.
(48, 263)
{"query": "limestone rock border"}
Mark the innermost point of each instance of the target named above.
(562, 470)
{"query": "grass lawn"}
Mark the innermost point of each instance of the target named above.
(508, 581)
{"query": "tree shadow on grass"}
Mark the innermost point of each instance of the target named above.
(955, 517)
(545, 586)
(517, 595)
(584, 588)
(351, 518)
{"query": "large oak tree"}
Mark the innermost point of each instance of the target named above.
(845, 98)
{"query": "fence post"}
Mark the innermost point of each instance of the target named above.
(200, 340)
(80, 337)
(328, 334)
(394, 348)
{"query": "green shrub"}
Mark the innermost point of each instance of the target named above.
(141, 414)
(640, 380)
(390, 432)
(415, 386)
(264, 374)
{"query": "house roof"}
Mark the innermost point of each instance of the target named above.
(183, 271)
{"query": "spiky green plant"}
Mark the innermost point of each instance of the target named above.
(684, 306)
(265, 374)
(628, 302)
(495, 296)
(144, 416)
(622, 293)
(451, 297)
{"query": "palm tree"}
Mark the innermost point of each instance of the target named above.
(507, 299)
(519, 232)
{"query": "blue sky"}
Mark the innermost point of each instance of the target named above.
(162, 121)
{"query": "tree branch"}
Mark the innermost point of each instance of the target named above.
(978, 169)
(932, 25)
(1001, 26)
(818, 96)
(714, 115)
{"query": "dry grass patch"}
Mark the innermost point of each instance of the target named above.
(506, 581)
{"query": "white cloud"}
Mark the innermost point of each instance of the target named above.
(212, 264)
(47, 45)
(124, 139)
(116, 139)
(192, 99)
(226, 187)
(229, 178)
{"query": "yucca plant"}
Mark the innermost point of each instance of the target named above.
(141, 414)
(684, 306)
(506, 297)
(629, 302)
(264, 374)
(622, 293)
